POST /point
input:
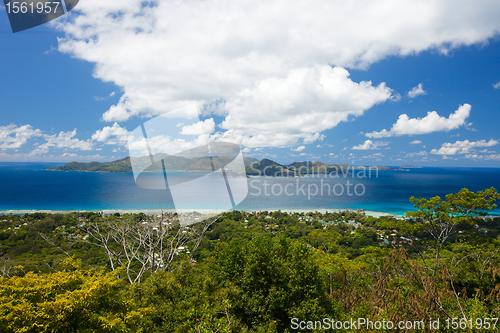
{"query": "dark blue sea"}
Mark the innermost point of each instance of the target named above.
(30, 186)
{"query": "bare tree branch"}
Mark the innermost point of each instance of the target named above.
(50, 241)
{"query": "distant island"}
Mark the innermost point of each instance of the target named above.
(253, 166)
(381, 167)
(122, 165)
(411, 167)
(172, 163)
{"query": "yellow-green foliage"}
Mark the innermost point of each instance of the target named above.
(68, 301)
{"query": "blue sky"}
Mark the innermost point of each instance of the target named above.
(284, 82)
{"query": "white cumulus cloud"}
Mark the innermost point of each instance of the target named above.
(70, 155)
(497, 85)
(202, 127)
(415, 142)
(462, 147)
(300, 148)
(111, 135)
(377, 156)
(494, 157)
(280, 112)
(219, 55)
(417, 91)
(432, 122)
(163, 144)
(63, 140)
(13, 137)
(420, 153)
(370, 145)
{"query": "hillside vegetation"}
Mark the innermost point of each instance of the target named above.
(253, 271)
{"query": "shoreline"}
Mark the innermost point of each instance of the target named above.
(202, 211)
(372, 213)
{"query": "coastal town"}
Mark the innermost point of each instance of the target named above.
(349, 227)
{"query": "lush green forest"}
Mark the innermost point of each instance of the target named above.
(255, 271)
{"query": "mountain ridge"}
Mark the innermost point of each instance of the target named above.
(253, 166)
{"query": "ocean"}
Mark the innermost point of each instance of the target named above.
(31, 187)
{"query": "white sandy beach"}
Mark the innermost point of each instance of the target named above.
(201, 211)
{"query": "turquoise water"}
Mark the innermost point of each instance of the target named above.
(28, 186)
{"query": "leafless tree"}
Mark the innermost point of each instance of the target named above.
(51, 242)
(5, 267)
(148, 245)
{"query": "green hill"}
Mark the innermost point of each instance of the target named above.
(172, 163)
(253, 166)
(122, 165)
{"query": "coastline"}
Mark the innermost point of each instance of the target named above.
(201, 211)
(372, 213)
